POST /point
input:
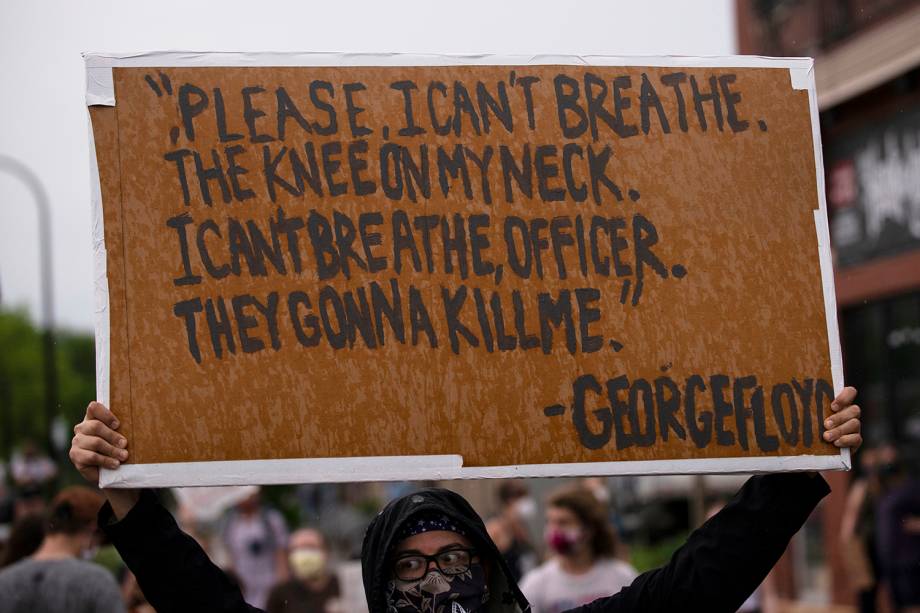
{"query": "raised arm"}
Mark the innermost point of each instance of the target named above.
(725, 559)
(173, 571)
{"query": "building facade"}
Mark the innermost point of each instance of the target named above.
(867, 73)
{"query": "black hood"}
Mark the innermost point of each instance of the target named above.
(379, 540)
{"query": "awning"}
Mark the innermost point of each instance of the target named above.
(868, 60)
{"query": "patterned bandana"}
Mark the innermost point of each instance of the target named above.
(427, 522)
(437, 593)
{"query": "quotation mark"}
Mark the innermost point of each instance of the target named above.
(167, 87)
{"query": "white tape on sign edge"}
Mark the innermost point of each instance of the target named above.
(266, 472)
(100, 88)
(100, 276)
(446, 467)
(805, 79)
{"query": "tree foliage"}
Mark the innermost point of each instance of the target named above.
(22, 379)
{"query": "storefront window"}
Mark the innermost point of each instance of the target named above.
(881, 347)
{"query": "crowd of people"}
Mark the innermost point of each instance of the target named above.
(47, 555)
(50, 560)
(280, 566)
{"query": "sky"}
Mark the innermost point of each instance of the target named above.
(44, 122)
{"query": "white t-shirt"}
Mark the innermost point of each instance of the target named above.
(252, 550)
(552, 590)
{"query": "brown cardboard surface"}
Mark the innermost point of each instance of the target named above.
(734, 209)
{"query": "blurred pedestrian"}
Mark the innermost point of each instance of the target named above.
(29, 500)
(26, 536)
(582, 567)
(30, 467)
(898, 519)
(57, 578)
(255, 536)
(509, 528)
(858, 532)
(312, 587)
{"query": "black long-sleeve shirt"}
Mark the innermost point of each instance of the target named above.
(720, 565)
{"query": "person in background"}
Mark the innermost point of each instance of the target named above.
(30, 467)
(857, 527)
(582, 567)
(29, 500)
(898, 529)
(312, 588)
(32, 474)
(255, 537)
(26, 536)
(57, 578)
(509, 528)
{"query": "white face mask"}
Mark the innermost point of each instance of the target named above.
(525, 508)
(307, 562)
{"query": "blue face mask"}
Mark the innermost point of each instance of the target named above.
(437, 593)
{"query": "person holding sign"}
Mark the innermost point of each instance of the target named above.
(429, 552)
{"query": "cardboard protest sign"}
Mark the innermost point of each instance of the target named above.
(323, 267)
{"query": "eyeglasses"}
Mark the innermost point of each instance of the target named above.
(451, 562)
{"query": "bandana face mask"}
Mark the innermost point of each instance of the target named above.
(437, 593)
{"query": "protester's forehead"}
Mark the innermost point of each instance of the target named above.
(306, 537)
(431, 542)
(561, 515)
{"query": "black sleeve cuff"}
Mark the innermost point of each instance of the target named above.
(147, 506)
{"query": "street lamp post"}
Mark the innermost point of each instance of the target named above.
(25, 174)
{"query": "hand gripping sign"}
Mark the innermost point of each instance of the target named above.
(336, 267)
